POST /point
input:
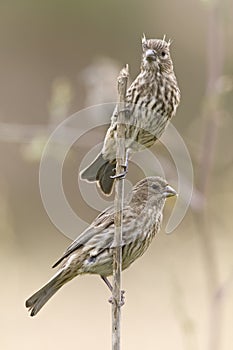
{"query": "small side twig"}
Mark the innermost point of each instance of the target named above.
(119, 197)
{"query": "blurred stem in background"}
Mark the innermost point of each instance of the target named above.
(211, 111)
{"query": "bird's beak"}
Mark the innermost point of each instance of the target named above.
(169, 191)
(150, 55)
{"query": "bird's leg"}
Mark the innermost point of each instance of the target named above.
(106, 281)
(125, 166)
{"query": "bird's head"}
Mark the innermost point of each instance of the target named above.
(156, 55)
(159, 188)
(152, 191)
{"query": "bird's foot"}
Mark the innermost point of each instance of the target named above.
(122, 301)
(125, 168)
(121, 175)
(126, 111)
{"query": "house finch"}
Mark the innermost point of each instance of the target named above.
(151, 101)
(92, 251)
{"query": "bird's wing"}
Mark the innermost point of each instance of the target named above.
(100, 234)
(104, 238)
(102, 221)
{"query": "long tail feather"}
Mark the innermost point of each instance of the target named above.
(37, 300)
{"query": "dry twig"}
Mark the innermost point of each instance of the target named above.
(119, 197)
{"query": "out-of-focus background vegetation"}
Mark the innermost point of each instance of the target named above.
(57, 57)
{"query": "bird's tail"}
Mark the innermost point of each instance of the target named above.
(37, 300)
(100, 170)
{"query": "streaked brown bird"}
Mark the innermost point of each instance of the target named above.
(92, 253)
(151, 101)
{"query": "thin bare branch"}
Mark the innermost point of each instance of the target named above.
(119, 197)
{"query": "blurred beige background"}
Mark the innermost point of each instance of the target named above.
(58, 57)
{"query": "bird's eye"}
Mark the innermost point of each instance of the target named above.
(155, 186)
(163, 54)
